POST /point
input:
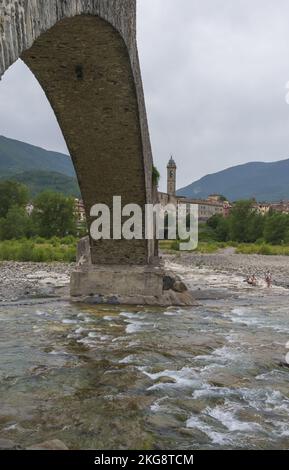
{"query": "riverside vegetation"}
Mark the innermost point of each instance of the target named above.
(245, 230)
(50, 233)
(39, 250)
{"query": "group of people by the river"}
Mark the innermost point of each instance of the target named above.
(253, 281)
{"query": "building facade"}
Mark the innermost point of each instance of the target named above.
(79, 211)
(171, 177)
(213, 205)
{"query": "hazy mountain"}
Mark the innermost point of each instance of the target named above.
(39, 169)
(38, 181)
(264, 181)
(19, 157)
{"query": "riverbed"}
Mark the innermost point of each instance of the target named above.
(212, 376)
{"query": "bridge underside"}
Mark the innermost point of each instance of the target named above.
(83, 66)
(84, 55)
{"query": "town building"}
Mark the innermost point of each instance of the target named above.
(262, 208)
(282, 207)
(79, 211)
(29, 208)
(172, 177)
(213, 205)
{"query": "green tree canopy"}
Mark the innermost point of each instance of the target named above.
(240, 219)
(53, 215)
(276, 228)
(246, 225)
(156, 176)
(17, 224)
(12, 194)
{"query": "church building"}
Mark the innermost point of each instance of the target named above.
(207, 208)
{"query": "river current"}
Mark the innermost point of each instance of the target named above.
(212, 376)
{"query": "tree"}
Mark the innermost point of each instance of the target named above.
(16, 224)
(276, 228)
(54, 215)
(220, 227)
(255, 227)
(223, 230)
(214, 221)
(156, 176)
(240, 220)
(12, 194)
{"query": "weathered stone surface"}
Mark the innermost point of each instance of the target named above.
(166, 380)
(55, 444)
(174, 283)
(84, 54)
(179, 286)
(184, 299)
(168, 282)
(7, 444)
(100, 300)
(131, 285)
(83, 252)
(117, 280)
(166, 299)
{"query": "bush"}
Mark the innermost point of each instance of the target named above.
(175, 245)
(264, 250)
(69, 240)
(24, 251)
(39, 240)
(28, 250)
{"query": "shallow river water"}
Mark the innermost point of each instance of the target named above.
(207, 377)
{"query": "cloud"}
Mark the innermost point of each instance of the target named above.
(25, 113)
(214, 73)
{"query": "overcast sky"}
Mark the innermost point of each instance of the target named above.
(215, 75)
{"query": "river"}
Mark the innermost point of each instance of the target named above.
(208, 377)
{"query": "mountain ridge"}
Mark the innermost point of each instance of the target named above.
(37, 168)
(18, 157)
(39, 181)
(42, 169)
(264, 181)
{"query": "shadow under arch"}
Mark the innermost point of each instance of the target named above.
(91, 78)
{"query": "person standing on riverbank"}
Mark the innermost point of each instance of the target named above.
(268, 279)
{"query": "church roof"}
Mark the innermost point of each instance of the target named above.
(172, 162)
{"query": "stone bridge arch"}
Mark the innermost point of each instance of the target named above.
(84, 55)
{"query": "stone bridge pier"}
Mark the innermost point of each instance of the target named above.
(84, 55)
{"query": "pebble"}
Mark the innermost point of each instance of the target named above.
(28, 280)
(239, 264)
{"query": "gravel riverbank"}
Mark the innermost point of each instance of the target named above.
(226, 261)
(23, 281)
(20, 281)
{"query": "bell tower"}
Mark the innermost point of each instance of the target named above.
(172, 177)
